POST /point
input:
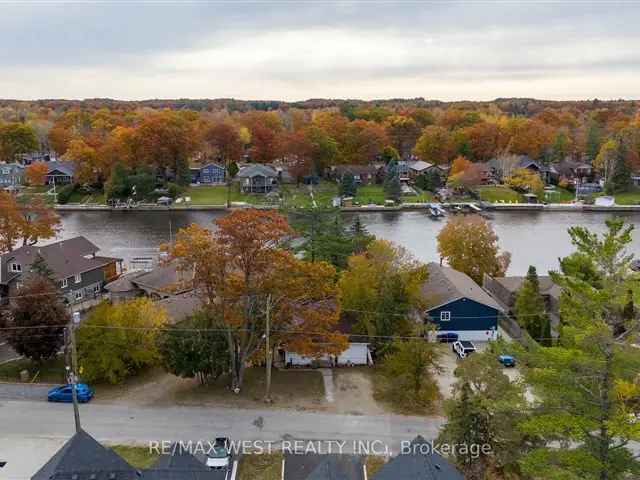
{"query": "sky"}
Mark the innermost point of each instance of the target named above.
(473, 50)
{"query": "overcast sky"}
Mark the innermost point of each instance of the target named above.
(331, 49)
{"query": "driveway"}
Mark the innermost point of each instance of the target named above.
(24, 391)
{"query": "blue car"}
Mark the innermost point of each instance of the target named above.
(63, 393)
(507, 360)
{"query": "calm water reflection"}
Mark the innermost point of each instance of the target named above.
(533, 238)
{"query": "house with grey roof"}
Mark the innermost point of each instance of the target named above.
(257, 178)
(362, 174)
(75, 264)
(313, 466)
(61, 172)
(11, 175)
(84, 458)
(417, 461)
(457, 304)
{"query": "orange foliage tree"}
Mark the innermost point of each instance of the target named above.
(434, 145)
(243, 275)
(37, 173)
(27, 223)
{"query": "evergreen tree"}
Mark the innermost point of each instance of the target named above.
(360, 236)
(348, 187)
(392, 187)
(485, 409)
(594, 139)
(585, 386)
(39, 267)
(530, 308)
(620, 180)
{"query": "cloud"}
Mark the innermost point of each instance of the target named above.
(294, 51)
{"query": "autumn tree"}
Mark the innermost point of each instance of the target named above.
(167, 139)
(469, 245)
(116, 341)
(434, 145)
(403, 133)
(25, 222)
(15, 139)
(364, 141)
(85, 159)
(407, 374)
(225, 141)
(381, 288)
(526, 180)
(244, 276)
(483, 138)
(36, 318)
(36, 173)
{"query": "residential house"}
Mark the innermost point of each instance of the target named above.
(455, 303)
(419, 461)
(11, 175)
(163, 281)
(257, 178)
(210, 174)
(358, 351)
(505, 291)
(418, 167)
(80, 273)
(362, 174)
(575, 172)
(84, 458)
(43, 156)
(313, 466)
(61, 173)
(548, 173)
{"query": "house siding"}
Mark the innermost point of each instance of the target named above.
(467, 315)
(88, 282)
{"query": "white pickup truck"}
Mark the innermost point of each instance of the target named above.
(463, 348)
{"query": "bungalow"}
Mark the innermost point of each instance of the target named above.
(44, 156)
(314, 466)
(61, 173)
(163, 281)
(417, 461)
(11, 175)
(456, 304)
(418, 167)
(79, 271)
(257, 178)
(357, 352)
(210, 174)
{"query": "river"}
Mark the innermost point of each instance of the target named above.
(533, 238)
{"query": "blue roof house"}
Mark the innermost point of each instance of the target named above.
(455, 303)
(210, 174)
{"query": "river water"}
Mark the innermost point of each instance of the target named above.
(533, 238)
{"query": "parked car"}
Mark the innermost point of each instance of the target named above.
(507, 360)
(463, 348)
(63, 393)
(219, 458)
(447, 337)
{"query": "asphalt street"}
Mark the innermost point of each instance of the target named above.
(31, 430)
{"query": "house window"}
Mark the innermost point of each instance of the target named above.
(445, 316)
(16, 267)
(65, 283)
(77, 277)
(206, 179)
(96, 288)
(78, 295)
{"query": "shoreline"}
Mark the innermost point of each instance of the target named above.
(526, 207)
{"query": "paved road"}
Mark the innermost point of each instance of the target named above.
(32, 430)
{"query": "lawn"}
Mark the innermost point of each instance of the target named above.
(289, 388)
(560, 195)
(368, 194)
(51, 371)
(421, 197)
(498, 193)
(628, 198)
(136, 456)
(260, 467)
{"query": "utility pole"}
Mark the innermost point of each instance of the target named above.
(267, 396)
(73, 377)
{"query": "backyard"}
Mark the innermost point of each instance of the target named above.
(498, 193)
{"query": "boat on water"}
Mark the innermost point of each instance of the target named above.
(435, 212)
